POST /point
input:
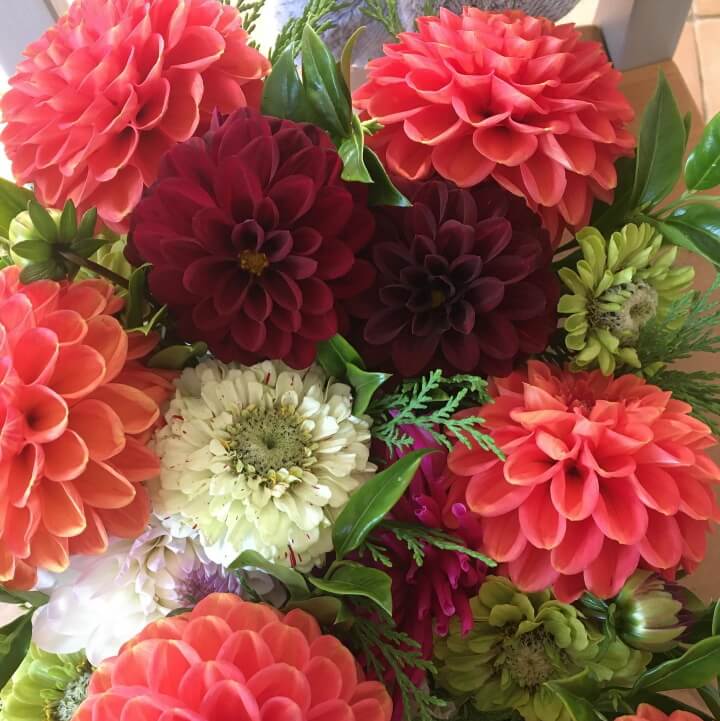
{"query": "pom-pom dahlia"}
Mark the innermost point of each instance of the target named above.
(260, 458)
(463, 282)
(602, 475)
(504, 95)
(112, 86)
(233, 659)
(76, 407)
(253, 236)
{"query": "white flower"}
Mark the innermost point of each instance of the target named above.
(260, 458)
(101, 602)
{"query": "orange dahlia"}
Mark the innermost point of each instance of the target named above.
(646, 712)
(602, 475)
(75, 411)
(230, 659)
(503, 95)
(112, 86)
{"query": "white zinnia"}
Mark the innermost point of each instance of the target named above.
(101, 602)
(260, 458)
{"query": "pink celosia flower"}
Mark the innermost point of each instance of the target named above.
(75, 411)
(112, 86)
(505, 95)
(230, 659)
(602, 475)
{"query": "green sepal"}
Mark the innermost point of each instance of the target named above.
(42, 221)
(68, 223)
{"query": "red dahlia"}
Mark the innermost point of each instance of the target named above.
(253, 238)
(463, 282)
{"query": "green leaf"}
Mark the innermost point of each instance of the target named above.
(687, 123)
(291, 579)
(382, 191)
(372, 501)
(326, 609)
(580, 709)
(135, 307)
(716, 619)
(13, 200)
(351, 152)
(34, 598)
(14, 644)
(661, 146)
(697, 667)
(607, 218)
(346, 57)
(68, 222)
(88, 246)
(702, 169)
(86, 229)
(34, 250)
(364, 383)
(334, 354)
(325, 88)
(176, 357)
(43, 222)
(695, 227)
(354, 579)
(42, 270)
(283, 93)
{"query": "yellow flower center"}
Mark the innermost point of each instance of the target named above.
(253, 262)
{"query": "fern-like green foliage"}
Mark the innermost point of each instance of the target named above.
(316, 15)
(431, 403)
(691, 326)
(386, 13)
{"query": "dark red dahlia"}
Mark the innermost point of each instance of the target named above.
(253, 238)
(463, 282)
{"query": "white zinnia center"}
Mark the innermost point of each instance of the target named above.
(260, 458)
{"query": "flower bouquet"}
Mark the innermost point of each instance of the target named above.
(333, 406)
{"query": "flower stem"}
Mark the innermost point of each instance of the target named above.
(96, 268)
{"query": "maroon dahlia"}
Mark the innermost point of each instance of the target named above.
(253, 237)
(463, 282)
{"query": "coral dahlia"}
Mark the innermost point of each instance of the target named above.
(75, 410)
(112, 86)
(232, 659)
(646, 712)
(602, 475)
(504, 95)
(463, 282)
(253, 237)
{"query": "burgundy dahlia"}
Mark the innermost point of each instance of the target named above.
(253, 238)
(463, 282)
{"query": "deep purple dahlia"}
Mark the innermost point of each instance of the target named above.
(463, 282)
(253, 238)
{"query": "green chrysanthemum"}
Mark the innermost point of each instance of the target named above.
(46, 687)
(519, 642)
(617, 287)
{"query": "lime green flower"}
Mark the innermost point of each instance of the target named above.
(617, 287)
(519, 642)
(46, 687)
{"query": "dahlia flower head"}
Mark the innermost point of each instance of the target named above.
(504, 95)
(602, 475)
(114, 85)
(260, 458)
(232, 659)
(646, 712)
(253, 238)
(77, 410)
(463, 282)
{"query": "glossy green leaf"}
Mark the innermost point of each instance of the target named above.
(372, 501)
(136, 299)
(14, 644)
(34, 598)
(43, 222)
(346, 56)
(283, 93)
(177, 357)
(324, 86)
(354, 579)
(702, 169)
(42, 270)
(364, 384)
(88, 246)
(291, 579)
(716, 622)
(13, 200)
(608, 218)
(86, 229)
(34, 250)
(661, 147)
(697, 667)
(326, 609)
(382, 191)
(687, 123)
(68, 222)
(578, 708)
(695, 227)
(334, 354)
(351, 151)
